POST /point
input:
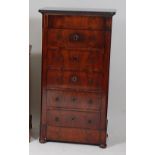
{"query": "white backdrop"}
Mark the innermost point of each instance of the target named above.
(117, 90)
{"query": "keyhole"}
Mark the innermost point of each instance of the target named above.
(74, 78)
(76, 37)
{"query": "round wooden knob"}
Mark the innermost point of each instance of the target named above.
(90, 101)
(57, 99)
(89, 121)
(90, 81)
(75, 58)
(57, 119)
(73, 118)
(74, 99)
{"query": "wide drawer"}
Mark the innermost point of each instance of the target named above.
(75, 59)
(74, 119)
(73, 100)
(75, 38)
(70, 79)
(75, 135)
(76, 22)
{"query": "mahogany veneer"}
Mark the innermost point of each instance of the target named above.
(75, 75)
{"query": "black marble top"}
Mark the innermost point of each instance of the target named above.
(78, 11)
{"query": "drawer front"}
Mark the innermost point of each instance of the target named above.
(75, 59)
(74, 135)
(68, 79)
(75, 38)
(73, 119)
(73, 100)
(76, 22)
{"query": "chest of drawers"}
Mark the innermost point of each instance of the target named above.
(75, 75)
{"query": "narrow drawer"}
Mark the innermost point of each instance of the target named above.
(69, 79)
(73, 100)
(75, 59)
(76, 22)
(74, 119)
(74, 135)
(75, 38)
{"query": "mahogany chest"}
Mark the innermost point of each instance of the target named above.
(75, 75)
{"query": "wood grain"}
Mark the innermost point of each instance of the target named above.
(76, 22)
(65, 38)
(75, 59)
(74, 79)
(74, 100)
(73, 135)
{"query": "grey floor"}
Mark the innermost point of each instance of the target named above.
(53, 148)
